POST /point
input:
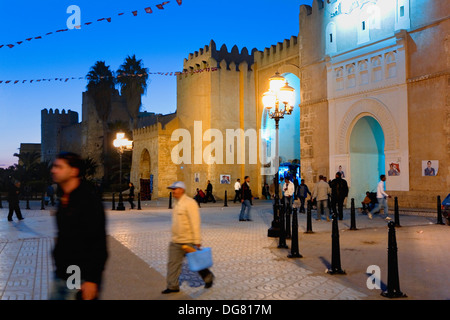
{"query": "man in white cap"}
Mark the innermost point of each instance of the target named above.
(185, 231)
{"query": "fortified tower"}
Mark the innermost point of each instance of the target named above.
(52, 125)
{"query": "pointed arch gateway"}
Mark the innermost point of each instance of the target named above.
(145, 175)
(365, 134)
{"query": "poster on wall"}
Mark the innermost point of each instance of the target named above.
(430, 168)
(394, 169)
(340, 168)
(225, 179)
(196, 177)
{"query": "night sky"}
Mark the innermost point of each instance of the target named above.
(161, 39)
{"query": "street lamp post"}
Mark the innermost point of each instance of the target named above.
(279, 93)
(122, 144)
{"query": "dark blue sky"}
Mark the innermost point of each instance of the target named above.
(161, 39)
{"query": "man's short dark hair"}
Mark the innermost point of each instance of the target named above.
(72, 159)
(339, 174)
(382, 176)
(245, 177)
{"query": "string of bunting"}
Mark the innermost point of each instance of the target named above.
(118, 76)
(134, 12)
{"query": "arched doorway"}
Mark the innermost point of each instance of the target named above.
(289, 134)
(367, 159)
(145, 176)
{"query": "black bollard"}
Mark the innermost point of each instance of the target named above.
(393, 285)
(288, 220)
(28, 203)
(282, 239)
(139, 201)
(42, 202)
(1, 205)
(113, 201)
(294, 240)
(396, 214)
(120, 205)
(170, 200)
(225, 203)
(308, 218)
(439, 211)
(335, 248)
(352, 216)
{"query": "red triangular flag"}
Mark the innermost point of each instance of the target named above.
(134, 13)
(1, 45)
(87, 23)
(48, 33)
(148, 10)
(10, 45)
(29, 39)
(108, 19)
(179, 2)
(122, 13)
(8, 81)
(160, 6)
(101, 19)
(39, 37)
(19, 42)
(16, 81)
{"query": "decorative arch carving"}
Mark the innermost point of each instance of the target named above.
(377, 110)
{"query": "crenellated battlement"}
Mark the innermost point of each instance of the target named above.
(277, 52)
(307, 10)
(210, 57)
(66, 118)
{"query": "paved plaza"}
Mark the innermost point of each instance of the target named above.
(248, 265)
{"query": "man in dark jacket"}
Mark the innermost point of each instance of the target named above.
(339, 191)
(209, 194)
(81, 238)
(246, 199)
(13, 199)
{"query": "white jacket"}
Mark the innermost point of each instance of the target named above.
(321, 191)
(186, 221)
(288, 189)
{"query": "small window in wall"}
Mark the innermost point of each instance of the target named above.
(363, 73)
(351, 79)
(377, 70)
(331, 40)
(339, 79)
(363, 25)
(402, 18)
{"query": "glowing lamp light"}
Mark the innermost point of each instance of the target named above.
(269, 99)
(286, 95)
(276, 82)
(122, 143)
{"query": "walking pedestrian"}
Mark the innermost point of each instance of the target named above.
(321, 193)
(382, 200)
(51, 194)
(237, 190)
(288, 191)
(302, 194)
(81, 233)
(246, 200)
(209, 195)
(13, 200)
(185, 231)
(131, 195)
(339, 191)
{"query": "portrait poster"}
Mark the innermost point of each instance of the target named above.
(196, 177)
(341, 168)
(394, 169)
(430, 168)
(225, 179)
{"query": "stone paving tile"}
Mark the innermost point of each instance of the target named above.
(26, 268)
(244, 265)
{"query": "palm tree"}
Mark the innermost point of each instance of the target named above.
(100, 88)
(132, 78)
